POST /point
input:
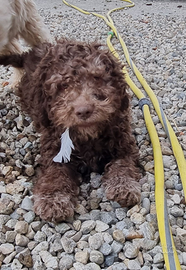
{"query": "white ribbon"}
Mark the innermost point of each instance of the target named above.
(66, 148)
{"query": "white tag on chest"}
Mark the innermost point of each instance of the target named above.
(66, 148)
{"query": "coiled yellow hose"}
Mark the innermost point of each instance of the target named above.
(168, 247)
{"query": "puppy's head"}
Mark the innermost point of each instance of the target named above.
(82, 85)
(86, 86)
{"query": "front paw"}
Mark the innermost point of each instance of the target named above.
(126, 195)
(53, 207)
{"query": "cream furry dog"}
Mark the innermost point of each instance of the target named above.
(20, 18)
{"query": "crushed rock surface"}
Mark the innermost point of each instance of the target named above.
(102, 235)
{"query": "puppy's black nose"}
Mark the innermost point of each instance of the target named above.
(84, 111)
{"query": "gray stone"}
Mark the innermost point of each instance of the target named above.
(118, 236)
(107, 218)
(25, 258)
(10, 236)
(77, 225)
(9, 258)
(121, 213)
(40, 236)
(134, 265)
(107, 238)
(56, 246)
(36, 225)
(2, 238)
(82, 245)
(176, 211)
(21, 240)
(82, 256)
(105, 249)
(145, 268)
(158, 258)
(48, 259)
(130, 250)
(109, 260)
(117, 266)
(6, 267)
(95, 241)
(146, 204)
(21, 227)
(16, 265)
(96, 257)
(95, 180)
(137, 218)
(6, 248)
(101, 226)
(29, 170)
(92, 266)
(148, 244)
(116, 247)
(80, 209)
(65, 262)
(38, 264)
(167, 161)
(6, 206)
(29, 216)
(76, 237)
(30, 234)
(95, 215)
(68, 244)
(78, 266)
(4, 219)
(176, 198)
(88, 226)
(148, 230)
(126, 223)
(41, 246)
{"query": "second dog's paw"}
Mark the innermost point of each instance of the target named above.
(125, 195)
(54, 208)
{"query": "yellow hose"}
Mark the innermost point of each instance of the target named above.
(168, 247)
(169, 251)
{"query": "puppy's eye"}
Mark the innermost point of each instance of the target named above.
(96, 78)
(99, 96)
(74, 72)
(62, 87)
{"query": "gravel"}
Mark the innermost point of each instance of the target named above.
(102, 235)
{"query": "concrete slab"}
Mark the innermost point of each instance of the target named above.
(142, 7)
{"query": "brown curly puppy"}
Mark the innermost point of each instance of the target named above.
(78, 88)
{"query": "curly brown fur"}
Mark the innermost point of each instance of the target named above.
(81, 87)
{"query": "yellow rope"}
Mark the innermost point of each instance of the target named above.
(169, 251)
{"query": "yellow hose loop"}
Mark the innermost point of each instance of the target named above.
(177, 150)
(168, 247)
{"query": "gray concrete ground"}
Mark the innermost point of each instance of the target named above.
(164, 7)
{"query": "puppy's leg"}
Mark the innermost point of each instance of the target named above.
(35, 30)
(121, 182)
(55, 194)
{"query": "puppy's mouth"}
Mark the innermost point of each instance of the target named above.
(85, 124)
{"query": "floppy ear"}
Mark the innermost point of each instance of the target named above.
(31, 91)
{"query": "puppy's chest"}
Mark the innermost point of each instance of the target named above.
(90, 157)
